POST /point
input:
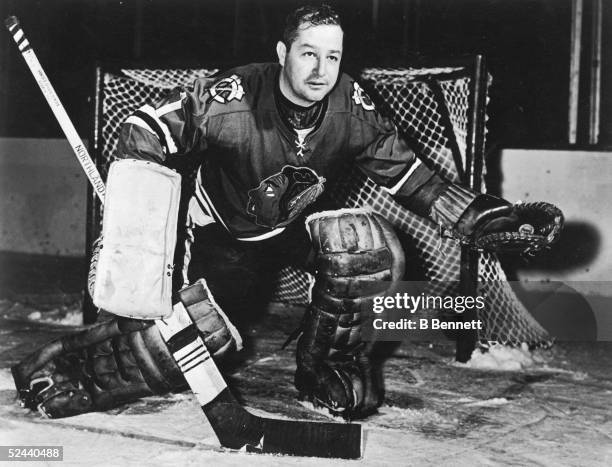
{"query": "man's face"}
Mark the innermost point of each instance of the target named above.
(312, 63)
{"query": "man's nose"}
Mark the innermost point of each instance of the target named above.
(320, 67)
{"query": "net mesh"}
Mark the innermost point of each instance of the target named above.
(430, 107)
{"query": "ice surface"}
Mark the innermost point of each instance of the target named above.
(507, 407)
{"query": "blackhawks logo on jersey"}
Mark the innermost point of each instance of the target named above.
(227, 89)
(361, 98)
(281, 197)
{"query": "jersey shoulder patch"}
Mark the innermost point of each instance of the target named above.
(227, 89)
(360, 97)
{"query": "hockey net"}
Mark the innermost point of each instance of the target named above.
(430, 106)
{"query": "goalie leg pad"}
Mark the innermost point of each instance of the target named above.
(219, 334)
(116, 361)
(357, 258)
(109, 364)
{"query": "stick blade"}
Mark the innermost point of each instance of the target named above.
(312, 439)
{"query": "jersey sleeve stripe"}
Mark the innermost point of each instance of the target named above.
(172, 106)
(165, 132)
(136, 120)
(153, 125)
(395, 188)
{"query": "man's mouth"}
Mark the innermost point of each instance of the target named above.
(316, 84)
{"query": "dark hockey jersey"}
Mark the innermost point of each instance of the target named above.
(257, 174)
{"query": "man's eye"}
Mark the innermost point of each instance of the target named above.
(333, 58)
(309, 54)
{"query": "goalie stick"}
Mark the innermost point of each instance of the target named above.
(234, 426)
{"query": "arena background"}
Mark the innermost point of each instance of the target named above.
(526, 43)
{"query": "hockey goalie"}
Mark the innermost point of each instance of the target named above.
(269, 140)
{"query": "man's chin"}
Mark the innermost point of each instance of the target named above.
(316, 96)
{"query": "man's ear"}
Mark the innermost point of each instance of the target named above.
(281, 51)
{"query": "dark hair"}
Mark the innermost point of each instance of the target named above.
(310, 14)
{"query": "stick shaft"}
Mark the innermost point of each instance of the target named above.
(58, 109)
(194, 360)
(201, 373)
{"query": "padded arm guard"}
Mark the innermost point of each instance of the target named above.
(358, 257)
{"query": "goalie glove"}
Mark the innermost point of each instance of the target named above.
(483, 221)
(493, 224)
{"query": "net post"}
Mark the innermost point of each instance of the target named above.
(474, 162)
(475, 143)
(92, 228)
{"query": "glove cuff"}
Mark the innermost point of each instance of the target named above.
(450, 205)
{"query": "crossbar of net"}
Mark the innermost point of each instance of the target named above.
(407, 94)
